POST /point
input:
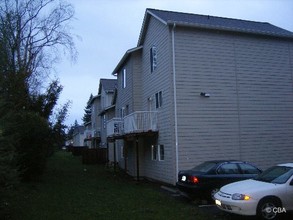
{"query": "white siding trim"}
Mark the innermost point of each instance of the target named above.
(158, 18)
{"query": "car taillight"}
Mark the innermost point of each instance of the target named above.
(194, 179)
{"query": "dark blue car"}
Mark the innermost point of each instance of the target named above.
(207, 178)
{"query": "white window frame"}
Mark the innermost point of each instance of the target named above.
(156, 152)
(104, 121)
(154, 149)
(161, 155)
(122, 112)
(159, 99)
(153, 58)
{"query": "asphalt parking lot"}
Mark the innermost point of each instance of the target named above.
(211, 208)
(216, 213)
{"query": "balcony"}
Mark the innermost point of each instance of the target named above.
(136, 122)
(96, 133)
(114, 127)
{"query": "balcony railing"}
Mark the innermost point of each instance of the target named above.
(140, 122)
(136, 122)
(115, 127)
(96, 133)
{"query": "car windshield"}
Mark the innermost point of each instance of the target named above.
(204, 167)
(276, 174)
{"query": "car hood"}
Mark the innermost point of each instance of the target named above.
(248, 187)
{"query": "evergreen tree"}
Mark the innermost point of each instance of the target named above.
(88, 111)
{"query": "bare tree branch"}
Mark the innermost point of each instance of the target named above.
(36, 31)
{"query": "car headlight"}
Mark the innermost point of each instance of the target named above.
(238, 196)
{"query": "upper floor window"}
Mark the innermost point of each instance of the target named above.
(153, 57)
(123, 79)
(104, 121)
(159, 99)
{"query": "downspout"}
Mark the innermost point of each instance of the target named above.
(175, 103)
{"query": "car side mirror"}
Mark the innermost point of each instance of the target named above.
(291, 183)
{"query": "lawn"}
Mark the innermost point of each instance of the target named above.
(70, 190)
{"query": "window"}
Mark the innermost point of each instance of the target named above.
(153, 57)
(104, 121)
(122, 112)
(123, 80)
(126, 110)
(158, 152)
(159, 100)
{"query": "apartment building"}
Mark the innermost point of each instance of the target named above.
(199, 88)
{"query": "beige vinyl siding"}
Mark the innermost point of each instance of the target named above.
(125, 95)
(127, 98)
(137, 82)
(265, 100)
(153, 82)
(131, 95)
(248, 116)
(204, 63)
(131, 158)
(249, 112)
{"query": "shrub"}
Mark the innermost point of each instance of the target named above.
(33, 144)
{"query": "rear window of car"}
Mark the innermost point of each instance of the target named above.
(204, 167)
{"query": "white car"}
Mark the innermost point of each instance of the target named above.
(268, 195)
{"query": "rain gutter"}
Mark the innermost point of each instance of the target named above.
(175, 102)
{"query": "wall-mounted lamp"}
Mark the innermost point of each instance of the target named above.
(204, 94)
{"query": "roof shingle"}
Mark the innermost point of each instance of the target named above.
(109, 85)
(212, 22)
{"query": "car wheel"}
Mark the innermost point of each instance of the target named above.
(213, 192)
(265, 209)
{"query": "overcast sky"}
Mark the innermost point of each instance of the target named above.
(108, 28)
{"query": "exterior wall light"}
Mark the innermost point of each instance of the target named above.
(206, 95)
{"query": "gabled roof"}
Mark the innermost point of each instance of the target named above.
(94, 98)
(212, 22)
(109, 85)
(124, 58)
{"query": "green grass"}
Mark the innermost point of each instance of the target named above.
(70, 190)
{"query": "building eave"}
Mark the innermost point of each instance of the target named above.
(145, 24)
(222, 28)
(94, 97)
(150, 14)
(124, 58)
(106, 110)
